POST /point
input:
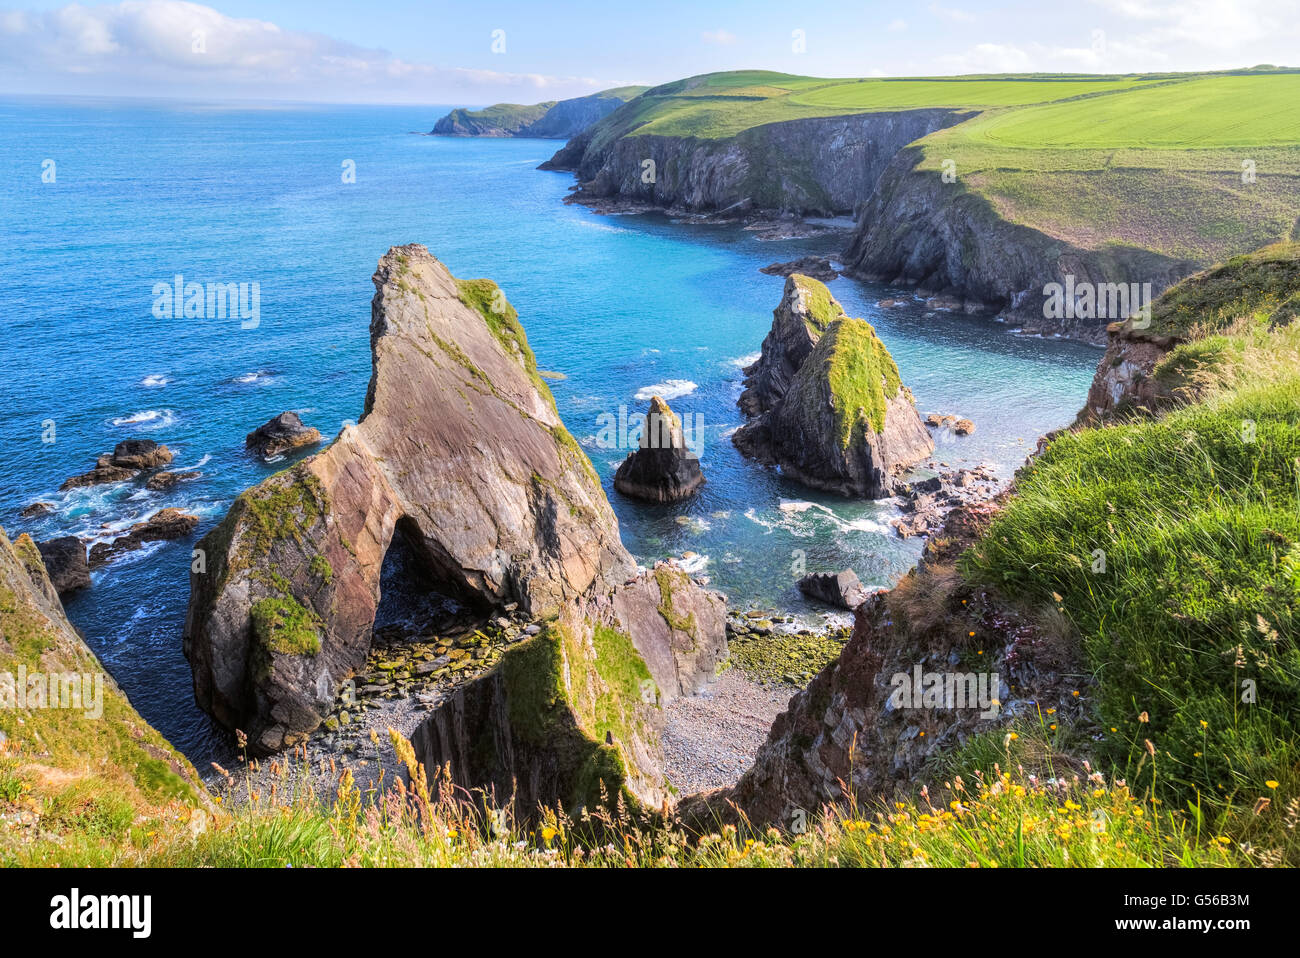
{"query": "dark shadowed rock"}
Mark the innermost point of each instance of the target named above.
(459, 449)
(838, 417)
(282, 434)
(163, 525)
(841, 589)
(37, 509)
(662, 468)
(65, 561)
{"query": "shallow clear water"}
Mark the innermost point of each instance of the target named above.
(618, 304)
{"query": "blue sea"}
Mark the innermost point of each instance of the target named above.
(623, 306)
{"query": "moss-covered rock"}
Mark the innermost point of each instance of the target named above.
(830, 407)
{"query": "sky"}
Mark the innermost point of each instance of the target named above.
(476, 53)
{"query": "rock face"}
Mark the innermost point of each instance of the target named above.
(849, 733)
(662, 468)
(838, 416)
(916, 230)
(580, 707)
(825, 165)
(805, 311)
(127, 460)
(459, 450)
(65, 561)
(282, 434)
(163, 525)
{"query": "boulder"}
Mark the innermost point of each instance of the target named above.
(459, 454)
(162, 481)
(962, 427)
(65, 561)
(127, 460)
(841, 589)
(662, 468)
(36, 509)
(280, 435)
(841, 420)
(140, 454)
(165, 524)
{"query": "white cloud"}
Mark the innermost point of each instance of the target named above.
(153, 46)
(952, 13)
(896, 25)
(722, 38)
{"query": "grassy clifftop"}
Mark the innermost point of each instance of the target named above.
(1195, 167)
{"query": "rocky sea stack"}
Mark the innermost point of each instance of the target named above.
(459, 458)
(662, 468)
(284, 433)
(826, 400)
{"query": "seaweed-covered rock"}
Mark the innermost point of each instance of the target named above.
(842, 419)
(662, 468)
(459, 450)
(284, 433)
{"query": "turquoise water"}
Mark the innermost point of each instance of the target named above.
(620, 305)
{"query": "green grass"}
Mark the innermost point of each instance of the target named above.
(1150, 162)
(283, 625)
(1000, 818)
(862, 375)
(1201, 589)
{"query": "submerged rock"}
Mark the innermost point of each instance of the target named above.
(835, 417)
(65, 561)
(127, 460)
(163, 525)
(842, 589)
(282, 434)
(459, 451)
(662, 468)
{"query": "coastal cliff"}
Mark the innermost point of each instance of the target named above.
(75, 756)
(554, 119)
(818, 166)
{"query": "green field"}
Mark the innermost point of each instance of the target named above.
(1152, 161)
